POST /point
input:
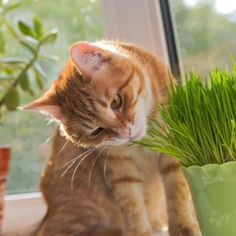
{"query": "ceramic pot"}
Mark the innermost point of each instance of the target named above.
(5, 155)
(213, 189)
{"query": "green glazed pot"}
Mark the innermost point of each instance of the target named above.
(213, 189)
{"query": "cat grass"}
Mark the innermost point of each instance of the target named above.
(198, 125)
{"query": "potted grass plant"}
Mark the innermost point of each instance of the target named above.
(198, 127)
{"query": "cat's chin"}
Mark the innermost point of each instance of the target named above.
(121, 141)
(139, 135)
(118, 141)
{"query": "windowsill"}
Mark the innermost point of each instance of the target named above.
(22, 212)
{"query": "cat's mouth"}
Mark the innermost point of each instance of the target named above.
(126, 137)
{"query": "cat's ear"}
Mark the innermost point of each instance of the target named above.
(47, 106)
(88, 58)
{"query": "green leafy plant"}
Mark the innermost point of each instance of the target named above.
(18, 73)
(198, 125)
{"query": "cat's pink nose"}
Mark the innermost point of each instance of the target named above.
(124, 132)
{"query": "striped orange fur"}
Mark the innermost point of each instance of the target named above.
(103, 100)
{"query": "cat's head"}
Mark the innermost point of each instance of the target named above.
(99, 97)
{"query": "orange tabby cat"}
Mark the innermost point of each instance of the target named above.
(102, 101)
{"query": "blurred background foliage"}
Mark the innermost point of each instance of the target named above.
(17, 72)
(206, 31)
(27, 133)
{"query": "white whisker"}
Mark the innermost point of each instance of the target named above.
(62, 148)
(71, 164)
(105, 167)
(77, 166)
(50, 121)
(76, 158)
(99, 154)
(49, 139)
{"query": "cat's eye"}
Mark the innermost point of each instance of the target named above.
(116, 102)
(97, 131)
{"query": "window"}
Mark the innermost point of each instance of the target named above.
(27, 133)
(205, 37)
(205, 32)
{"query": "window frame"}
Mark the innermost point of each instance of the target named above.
(22, 212)
(170, 35)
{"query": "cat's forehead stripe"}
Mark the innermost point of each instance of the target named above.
(101, 102)
(134, 103)
(142, 82)
(83, 116)
(84, 92)
(86, 125)
(140, 90)
(128, 80)
(92, 104)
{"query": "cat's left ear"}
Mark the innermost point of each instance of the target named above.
(46, 105)
(88, 58)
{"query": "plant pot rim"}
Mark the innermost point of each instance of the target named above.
(226, 170)
(211, 165)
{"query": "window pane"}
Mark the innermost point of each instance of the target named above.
(27, 133)
(205, 32)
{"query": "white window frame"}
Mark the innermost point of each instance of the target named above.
(22, 212)
(135, 21)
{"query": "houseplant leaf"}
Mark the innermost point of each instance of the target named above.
(12, 99)
(12, 60)
(38, 80)
(25, 29)
(2, 42)
(51, 37)
(38, 28)
(25, 83)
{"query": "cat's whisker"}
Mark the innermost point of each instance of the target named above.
(49, 139)
(93, 164)
(77, 166)
(76, 158)
(63, 147)
(72, 162)
(49, 122)
(105, 167)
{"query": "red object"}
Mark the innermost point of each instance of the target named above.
(5, 155)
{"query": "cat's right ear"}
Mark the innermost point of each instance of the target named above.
(89, 59)
(46, 105)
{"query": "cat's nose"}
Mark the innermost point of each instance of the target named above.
(124, 132)
(131, 119)
(127, 131)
